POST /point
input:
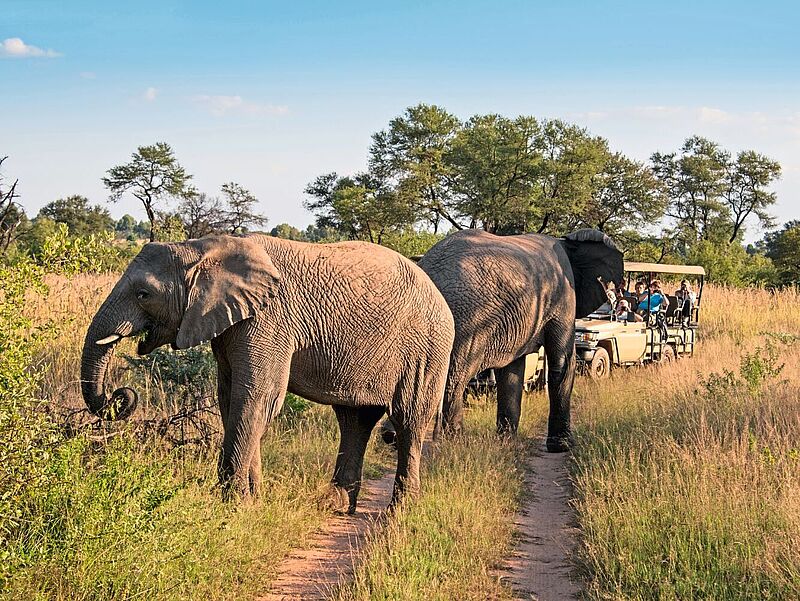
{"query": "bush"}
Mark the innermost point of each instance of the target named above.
(26, 436)
(70, 255)
(176, 379)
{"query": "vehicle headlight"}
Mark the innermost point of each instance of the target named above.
(586, 336)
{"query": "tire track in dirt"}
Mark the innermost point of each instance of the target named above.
(540, 568)
(313, 573)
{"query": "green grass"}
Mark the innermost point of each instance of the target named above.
(130, 521)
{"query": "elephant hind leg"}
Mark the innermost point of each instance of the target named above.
(451, 420)
(510, 380)
(355, 426)
(409, 453)
(412, 420)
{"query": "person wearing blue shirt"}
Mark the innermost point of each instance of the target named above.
(655, 301)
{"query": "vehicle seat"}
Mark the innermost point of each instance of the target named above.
(673, 311)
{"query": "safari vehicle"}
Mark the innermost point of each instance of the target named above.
(535, 376)
(602, 341)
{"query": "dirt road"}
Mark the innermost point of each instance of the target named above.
(313, 573)
(540, 567)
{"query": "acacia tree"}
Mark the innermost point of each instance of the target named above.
(240, 215)
(152, 176)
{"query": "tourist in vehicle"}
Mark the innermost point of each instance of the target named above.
(686, 299)
(611, 299)
(640, 291)
(655, 301)
(622, 289)
(624, 313)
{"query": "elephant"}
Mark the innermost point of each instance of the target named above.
(352, 325)
(509, 296)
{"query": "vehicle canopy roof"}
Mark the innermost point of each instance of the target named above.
(661, 268)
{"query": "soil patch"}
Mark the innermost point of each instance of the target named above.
(540, 568)
(313, 573)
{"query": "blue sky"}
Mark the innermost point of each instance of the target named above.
(272, 94)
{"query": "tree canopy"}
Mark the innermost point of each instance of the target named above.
(152, 176)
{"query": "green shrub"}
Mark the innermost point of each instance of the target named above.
(26, 436)
(70, 255)
(176, 379)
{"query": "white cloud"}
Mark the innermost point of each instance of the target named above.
(150, 94)
(658, 111)
(87, 75)
(224, 105)
(711, 115)
(16, 48)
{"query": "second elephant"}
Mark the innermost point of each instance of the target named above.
(509, 296)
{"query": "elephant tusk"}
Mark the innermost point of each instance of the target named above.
(109, 339)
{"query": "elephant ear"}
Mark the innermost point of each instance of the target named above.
(595, 261)
(233, 280)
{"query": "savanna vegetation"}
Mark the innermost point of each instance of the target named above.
(686, 477)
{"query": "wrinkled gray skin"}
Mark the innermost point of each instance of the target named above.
(352, 325)
(509, 296)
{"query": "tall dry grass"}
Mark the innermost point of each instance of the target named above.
(688, 476)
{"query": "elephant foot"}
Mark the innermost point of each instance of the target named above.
(560, 444)
(336, 499)
(238, 492)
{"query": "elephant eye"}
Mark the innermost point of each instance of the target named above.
(142, 295)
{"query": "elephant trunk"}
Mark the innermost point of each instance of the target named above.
(98, 348)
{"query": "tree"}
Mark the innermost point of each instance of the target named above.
(80, 218)
(494, 162)
(410, 156)
(625, 194)
(360, 207)
(694, 180)
(201, 214)
(239, 214)
(11, 213)
(570, 160)
(152, 176)
(746, 194)
(288, 232)
(783, 247)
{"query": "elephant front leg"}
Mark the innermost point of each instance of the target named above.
(252, 404)
(510, 381)
(355, 427)
(560, 350)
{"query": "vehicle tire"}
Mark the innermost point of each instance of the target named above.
(667, 355)
(600, 366)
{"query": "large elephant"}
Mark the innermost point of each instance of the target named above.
(352, 325)
(509, 296)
